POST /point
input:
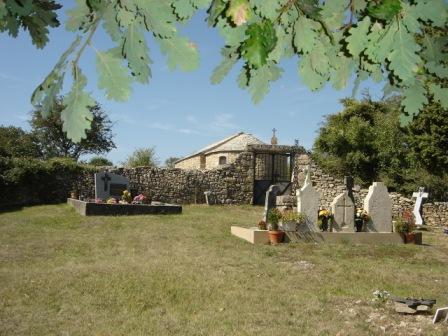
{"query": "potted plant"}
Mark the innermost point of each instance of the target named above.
(405, 225)
(361, 219)
(324, 219)
(291, 219)
(262, 225)
(275, 235)
(126, 197)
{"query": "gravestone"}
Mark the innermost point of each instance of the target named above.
(308, 202)
(379, 207)
(270, 200)
(420, 195)
(343, 210)
(110, 185)
(209, 197)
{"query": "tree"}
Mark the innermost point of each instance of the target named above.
(15, 142)
(53, 140)
(170, 161)
(142, 157)
(100, 161)
(333, 41)
(366, 141)
(363, 140)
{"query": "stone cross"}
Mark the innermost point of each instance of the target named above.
(274, 138)
(420, 195)
(343, 209)
(106, 178)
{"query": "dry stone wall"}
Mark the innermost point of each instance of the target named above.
(230, 184)
(434, 214)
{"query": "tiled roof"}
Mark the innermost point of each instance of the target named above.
(234, 143)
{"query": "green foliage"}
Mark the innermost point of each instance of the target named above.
(76, 114)
(32, 15)
(402, 41)
(99, 161)
(366, 141)
(259, 44)
(274, 216)
(31, 181)
(142, 157)
(54, 141)
(169, 163)
(15, 142)
(386, 10)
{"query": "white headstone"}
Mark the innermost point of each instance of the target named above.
(343, 210)
(308, 202)
(379, 207)
(270, 200)
(110, 185)
(420, 195)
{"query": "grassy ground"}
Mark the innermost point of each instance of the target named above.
(64, 274)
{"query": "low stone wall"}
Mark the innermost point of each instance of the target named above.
(434, 214)
(230, 184)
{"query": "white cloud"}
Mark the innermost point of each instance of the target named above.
(13, 78)
(223, 121)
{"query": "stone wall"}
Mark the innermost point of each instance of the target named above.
(434, 214)
(230, 184)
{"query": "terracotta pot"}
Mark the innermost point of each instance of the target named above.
(276, 237)
(409, 238)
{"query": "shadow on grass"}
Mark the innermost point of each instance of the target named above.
(10, 208)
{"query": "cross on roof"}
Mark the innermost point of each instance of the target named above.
(273, 131)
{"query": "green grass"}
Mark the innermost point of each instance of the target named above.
(64, 274)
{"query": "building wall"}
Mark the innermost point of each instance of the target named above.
(191, 163)
(212, 160)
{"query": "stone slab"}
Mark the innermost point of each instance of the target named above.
(102, 209)
(256, 236)
(252, 235)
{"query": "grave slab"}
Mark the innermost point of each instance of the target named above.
(102, 209)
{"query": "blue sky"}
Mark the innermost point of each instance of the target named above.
(177, 112)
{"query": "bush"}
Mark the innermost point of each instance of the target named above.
(32, 181)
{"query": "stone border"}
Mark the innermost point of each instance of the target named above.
(255, 236)
(102, 209)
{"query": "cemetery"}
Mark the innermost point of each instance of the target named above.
(141, 197)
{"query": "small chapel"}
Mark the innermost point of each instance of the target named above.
(219, 153)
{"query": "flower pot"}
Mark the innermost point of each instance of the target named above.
(276, 237)
(409, 238)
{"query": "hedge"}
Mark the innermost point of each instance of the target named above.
(27, 181)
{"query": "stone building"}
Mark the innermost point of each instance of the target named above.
(219, 153)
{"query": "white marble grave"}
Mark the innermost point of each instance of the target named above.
(379, 207)
(308, 202)
(343, 210)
